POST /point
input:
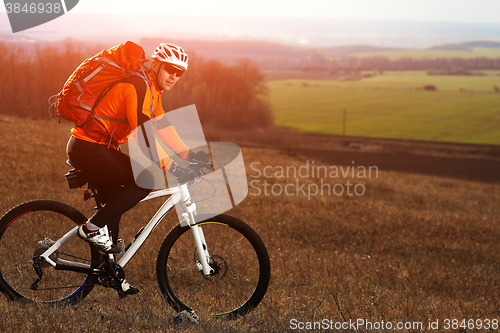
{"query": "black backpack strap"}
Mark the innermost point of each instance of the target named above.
(140, 86)
(146, 134)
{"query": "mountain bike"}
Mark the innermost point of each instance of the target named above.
(213, 265)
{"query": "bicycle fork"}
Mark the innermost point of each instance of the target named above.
(201, 246)
(199, 238)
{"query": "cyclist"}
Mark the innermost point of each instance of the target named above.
(94, 147)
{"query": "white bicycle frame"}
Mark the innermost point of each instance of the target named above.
(177, 194)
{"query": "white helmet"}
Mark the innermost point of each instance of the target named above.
(172, 54)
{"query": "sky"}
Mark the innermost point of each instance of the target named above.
(414, 10)
(304, 22)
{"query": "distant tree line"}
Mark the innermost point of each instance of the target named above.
(318, 62)
(225, 96)
(232, 97)
(383, 63)
(28, 79)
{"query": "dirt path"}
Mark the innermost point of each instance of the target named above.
(476, 169)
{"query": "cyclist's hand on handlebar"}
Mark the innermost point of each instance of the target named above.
(177, 170)
(183, 175)
(199, 156)
(197, 162)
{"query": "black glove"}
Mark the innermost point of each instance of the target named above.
(177, 170)
(198, 156)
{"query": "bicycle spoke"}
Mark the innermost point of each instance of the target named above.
(233, 285)
(27, 231)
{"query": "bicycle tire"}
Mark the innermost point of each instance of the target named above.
(235, 289)
(25, 232)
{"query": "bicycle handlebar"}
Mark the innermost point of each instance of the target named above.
(195, 170)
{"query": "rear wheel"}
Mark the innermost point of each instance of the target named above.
(238, 257)
(26, 231)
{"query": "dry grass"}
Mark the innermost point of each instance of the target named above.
(413, 248)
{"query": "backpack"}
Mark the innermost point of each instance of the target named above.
(92, 80)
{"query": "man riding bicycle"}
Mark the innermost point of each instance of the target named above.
(126, 106)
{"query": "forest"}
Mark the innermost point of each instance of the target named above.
(225, 96)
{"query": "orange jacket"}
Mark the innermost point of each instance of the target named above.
(118, 114)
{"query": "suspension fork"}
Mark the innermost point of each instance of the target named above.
(201, 246)
(199, 238)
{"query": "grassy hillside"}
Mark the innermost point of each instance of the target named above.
(393, 105)
(412, 248)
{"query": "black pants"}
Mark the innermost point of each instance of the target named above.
(110, 172)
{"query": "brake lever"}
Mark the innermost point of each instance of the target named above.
(202, 164)
(208, 166)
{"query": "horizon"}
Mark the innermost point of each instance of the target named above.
(288, 31)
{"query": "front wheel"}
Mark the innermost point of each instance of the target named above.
(238, 257)
(26, 231)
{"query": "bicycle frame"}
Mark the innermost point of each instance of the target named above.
(177, 194)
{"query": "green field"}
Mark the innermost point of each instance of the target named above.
(393, 105)
(420, 54)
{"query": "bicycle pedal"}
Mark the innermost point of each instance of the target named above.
(129, 290)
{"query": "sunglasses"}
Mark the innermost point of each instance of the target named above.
(171, 69)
